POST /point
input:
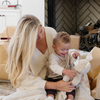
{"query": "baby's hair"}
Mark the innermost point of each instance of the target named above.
(61, 37)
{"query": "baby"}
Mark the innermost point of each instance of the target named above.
(59, 63)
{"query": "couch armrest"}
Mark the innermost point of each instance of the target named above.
(3, 59)
(7, 32)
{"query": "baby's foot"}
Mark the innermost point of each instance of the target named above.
(49, 98)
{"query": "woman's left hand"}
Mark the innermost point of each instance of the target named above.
(75, 54)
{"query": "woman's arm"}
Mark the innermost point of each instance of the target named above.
(60, 85)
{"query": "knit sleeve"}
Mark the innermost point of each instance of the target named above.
(54, 65)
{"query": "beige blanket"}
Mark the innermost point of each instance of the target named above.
(26, 95)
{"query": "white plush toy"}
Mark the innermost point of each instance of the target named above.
(82, 67)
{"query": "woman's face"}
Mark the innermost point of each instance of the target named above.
(40, 33)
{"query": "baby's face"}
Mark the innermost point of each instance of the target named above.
(62, 49)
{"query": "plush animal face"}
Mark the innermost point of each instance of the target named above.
(82, 66)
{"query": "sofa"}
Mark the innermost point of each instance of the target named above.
(5, 35)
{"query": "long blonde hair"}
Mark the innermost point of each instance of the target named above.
(21, 47)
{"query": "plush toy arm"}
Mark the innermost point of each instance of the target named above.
(60, 94)
(77, 79)
(66, 78)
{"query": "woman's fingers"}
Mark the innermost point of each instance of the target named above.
(70, 87)
(64, 86)
(70, 82)
(69, 90)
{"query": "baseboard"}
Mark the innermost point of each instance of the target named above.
(4, 81)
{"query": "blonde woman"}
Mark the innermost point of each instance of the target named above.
(28, 54)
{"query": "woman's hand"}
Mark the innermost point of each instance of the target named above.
(60, 85)
(75, 55)
(64, 86)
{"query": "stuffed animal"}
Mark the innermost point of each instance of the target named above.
(82, 67)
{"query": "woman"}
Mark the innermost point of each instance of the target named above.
(28, 53)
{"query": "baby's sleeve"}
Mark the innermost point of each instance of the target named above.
(54, 66)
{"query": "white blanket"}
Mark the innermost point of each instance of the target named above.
(26, 95)
(40, 94)
(82, 93)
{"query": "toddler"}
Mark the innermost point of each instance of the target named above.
(59, 63)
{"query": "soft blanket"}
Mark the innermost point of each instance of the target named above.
(82, 93)
(26, 95)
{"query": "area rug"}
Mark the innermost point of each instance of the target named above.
(6, 88)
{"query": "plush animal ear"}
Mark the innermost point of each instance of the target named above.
(87, 65)
(75, 63)
(78, 58)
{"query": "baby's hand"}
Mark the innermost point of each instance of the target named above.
(75, 55)
(70, 73)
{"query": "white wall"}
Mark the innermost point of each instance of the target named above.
(13, 2)
(35, 7)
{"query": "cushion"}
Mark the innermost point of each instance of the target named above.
(7, 32)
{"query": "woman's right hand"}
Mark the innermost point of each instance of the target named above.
(64, 86)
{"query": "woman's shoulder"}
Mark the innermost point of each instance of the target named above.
(50, 30)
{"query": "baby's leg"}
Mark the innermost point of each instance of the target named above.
(50, 97)
(71, 95)
(50, 94)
